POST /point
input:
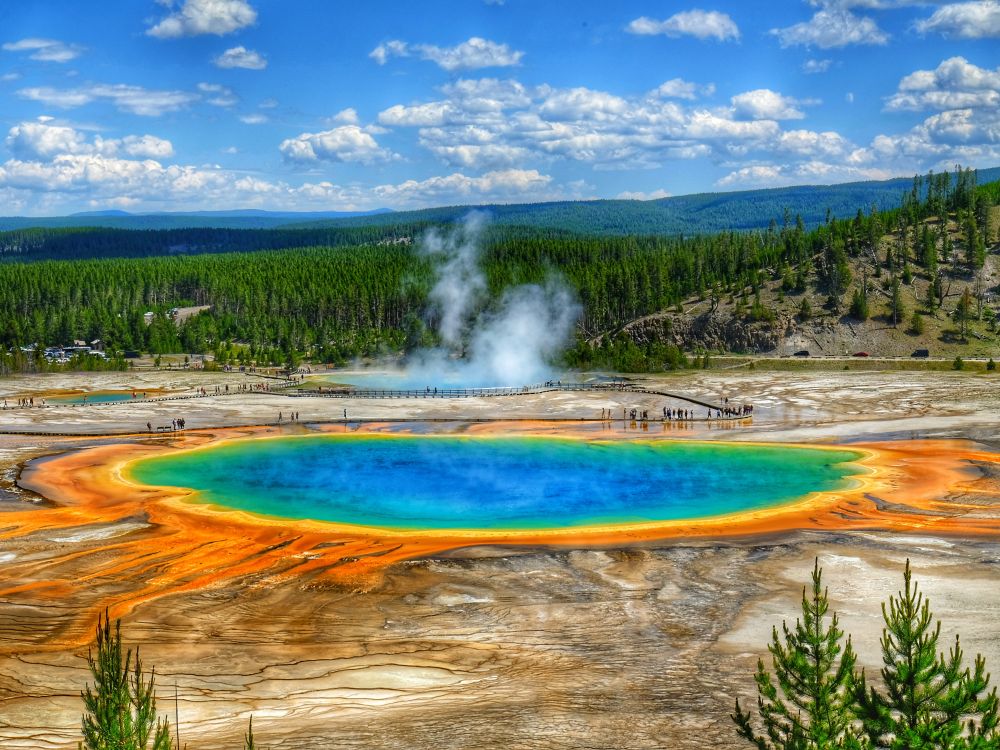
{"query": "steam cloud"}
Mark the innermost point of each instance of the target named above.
(510, 345)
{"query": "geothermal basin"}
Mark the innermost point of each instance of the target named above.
(421, 482)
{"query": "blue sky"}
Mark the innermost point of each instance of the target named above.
(320, 105)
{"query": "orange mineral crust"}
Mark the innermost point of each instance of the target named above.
(125, 544)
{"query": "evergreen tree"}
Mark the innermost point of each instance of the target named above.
(248, 740)
(807, 704)
(805, 309)
(930, 701)
(897, 310)
(859, 304)
(917, 324)
(121, 708)
(963, 312)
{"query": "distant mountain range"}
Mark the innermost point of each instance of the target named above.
(235, 219)
(685, 214)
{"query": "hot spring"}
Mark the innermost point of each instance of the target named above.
(422, 482)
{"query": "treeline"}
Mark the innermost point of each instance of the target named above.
(335, 303)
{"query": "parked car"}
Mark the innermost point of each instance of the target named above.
(801, 353)
(860, 354)
(921, 353)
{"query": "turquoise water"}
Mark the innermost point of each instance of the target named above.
(93, 398)
(438, 482)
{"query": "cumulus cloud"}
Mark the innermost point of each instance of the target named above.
(638, 195)
(240, 57)
(974, 20)
(764, 104)
(347, 143)
(474, 53)
(832, 27)
(954, 84)
(491, 123)
(105, 179)
(196, 17)
(134, 99)
(347, 116)
(678, 88)
(700, 24)
(47, 50)
(41, 139)
(814, 172)
(218, 95)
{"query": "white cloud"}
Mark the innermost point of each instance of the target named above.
(240, 57)
(474, 53)
(148, 146)
(195, 17)
(134, 99)
(764, 104)
(678, 88)
(42, 140)
(491, 124)
(697, 23)
(432, 113)
(832, 27)
(954, 84)
(394, 48)
(581, 103)
(347, 143)
(253, 119)
(508, 184)
(807, 173)
(96, 180)
(816, 66)
(974, 20)
(638, 195)
(347, 116)
(48, 50)
(218, 95)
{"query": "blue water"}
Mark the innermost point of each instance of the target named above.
(93, 398)
(446, 482)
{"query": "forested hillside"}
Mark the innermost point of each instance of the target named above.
(686, 214)
(335, 303)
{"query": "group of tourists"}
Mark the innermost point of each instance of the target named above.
(24, 403)
(682, 415)
(175, 424)
(292, 416)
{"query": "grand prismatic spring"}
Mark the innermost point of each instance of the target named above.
(436, 482)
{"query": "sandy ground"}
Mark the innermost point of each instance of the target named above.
(644, 646)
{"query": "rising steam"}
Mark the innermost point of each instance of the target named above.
(510, 344)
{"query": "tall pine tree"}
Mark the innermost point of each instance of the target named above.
(930, 701)
(806, 705)
(121, 708)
